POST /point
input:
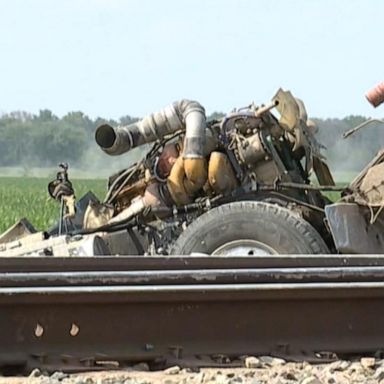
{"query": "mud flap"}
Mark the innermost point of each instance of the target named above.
(352, 231)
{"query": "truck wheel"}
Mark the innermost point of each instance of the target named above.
(249, 228)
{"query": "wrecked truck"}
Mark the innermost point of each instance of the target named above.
(250, 183)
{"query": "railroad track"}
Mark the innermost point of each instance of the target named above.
(89, 313)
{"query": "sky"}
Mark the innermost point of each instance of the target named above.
(112, 58)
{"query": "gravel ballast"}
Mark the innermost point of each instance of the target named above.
(256, 370)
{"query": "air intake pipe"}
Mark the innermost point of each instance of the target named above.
(182, 115)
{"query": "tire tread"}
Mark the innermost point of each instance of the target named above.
(312, 238)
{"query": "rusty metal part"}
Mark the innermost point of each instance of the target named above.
(128, 193)
(137, 206)
(151, 198)
(376, 95)
(76, 320)
(221, 176)
(127, 177)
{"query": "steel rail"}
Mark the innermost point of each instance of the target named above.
(193, 276)
(324, 307)
(146, 293)
(125, 263)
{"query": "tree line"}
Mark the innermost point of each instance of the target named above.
(44, 140)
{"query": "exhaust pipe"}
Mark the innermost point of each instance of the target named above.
(182, 115)
(190, 173)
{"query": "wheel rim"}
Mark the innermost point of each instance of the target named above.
(244, 248)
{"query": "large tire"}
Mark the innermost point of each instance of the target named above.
(255, 227)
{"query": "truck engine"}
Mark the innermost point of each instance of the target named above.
(194, 165)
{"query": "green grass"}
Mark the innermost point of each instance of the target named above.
(332, 195)
(342, 179)
(28, 197)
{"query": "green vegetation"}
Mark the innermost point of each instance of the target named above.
(28, 197)
(44, 140)
(333, 196)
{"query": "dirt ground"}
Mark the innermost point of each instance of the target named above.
(260, 370)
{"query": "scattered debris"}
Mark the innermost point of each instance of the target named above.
(252, 362)
(172, 370)
(368, 362)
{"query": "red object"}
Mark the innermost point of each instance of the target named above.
(376, 95)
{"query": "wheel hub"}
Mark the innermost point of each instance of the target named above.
(244, 248)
